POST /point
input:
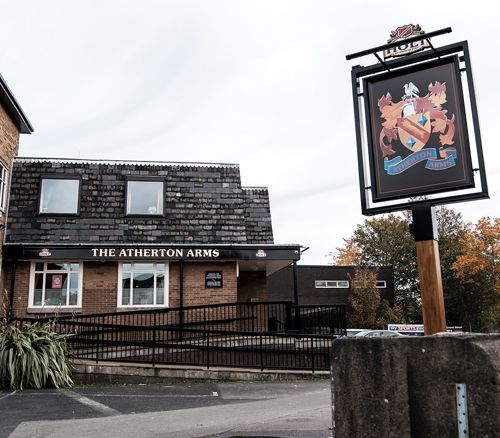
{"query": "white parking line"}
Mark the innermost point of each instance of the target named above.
(214, 394)
(103, 409)
(8, 395)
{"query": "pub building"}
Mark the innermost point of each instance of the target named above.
(92, 236)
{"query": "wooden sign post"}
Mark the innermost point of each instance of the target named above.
(429, 269)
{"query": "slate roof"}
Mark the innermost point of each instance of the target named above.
(205, 204)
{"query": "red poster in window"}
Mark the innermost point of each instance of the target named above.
(56, 281)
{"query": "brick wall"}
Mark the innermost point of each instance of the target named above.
(252, 285)
(9, 145)
(100, 286)
(280, 285)
(195, 293)
(22, 278)
(9, 138)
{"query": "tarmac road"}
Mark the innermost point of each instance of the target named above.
(298, 409)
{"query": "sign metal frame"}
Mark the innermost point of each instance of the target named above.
(472, 184)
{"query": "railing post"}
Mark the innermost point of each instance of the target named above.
(154, 337)
(312, 354)
(208, 350)
(253, 316)
(298, 323)
(261, 355)
(204, 319)
(288, 310)
(98, 343)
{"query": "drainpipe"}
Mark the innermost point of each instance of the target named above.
(295, 285)
(12, 284)
(181, 291)
(298, 324)
(181, 282)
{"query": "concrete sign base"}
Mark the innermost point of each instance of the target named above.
(409, 387)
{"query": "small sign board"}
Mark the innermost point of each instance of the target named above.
(57, 281)
(213, 279)
(418, 329)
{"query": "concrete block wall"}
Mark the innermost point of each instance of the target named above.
(407, 387)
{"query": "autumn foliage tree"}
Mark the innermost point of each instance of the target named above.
(386, 241)
(478, 269)
(364, 300)
(368, 311)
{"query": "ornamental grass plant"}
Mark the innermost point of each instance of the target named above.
(33, 356)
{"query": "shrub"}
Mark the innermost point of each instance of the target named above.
(31, 356)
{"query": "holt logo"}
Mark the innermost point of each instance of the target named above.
(401, 34)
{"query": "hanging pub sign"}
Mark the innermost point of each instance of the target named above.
(417, 131)
(415, 136)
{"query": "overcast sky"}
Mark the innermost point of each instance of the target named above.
(264, 84)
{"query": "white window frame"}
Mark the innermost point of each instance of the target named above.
(155, 210)
(155, 271)
(47, 308)
(381, 284)
(331, 284)
(4, 185)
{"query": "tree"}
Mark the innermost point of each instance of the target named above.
(368, 310)
(364, 300)
(349, 255)
(478, 269)
(386, 241)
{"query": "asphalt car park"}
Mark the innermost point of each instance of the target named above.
(278, 409)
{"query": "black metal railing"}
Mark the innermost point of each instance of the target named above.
(263, 335)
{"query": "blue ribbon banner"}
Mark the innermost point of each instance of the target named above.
(397, 165)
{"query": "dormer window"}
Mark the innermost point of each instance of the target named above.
(59, 195)
(145, 197)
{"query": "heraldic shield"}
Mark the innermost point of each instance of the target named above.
(414, 131)
(412, 121)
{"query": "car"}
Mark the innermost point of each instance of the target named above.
(354, 332)
(371, 333)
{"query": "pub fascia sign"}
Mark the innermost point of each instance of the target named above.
(154, 253)
(401, 34)
(147, 253)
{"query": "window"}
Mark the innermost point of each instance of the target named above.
(145, 197)
(55, 284)
(331, 284)
(59, 195)
(379, 284)
(143, 284)
(4, 180)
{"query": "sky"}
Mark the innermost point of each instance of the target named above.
(264, 84)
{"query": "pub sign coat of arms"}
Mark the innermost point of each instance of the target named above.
(417, 131)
